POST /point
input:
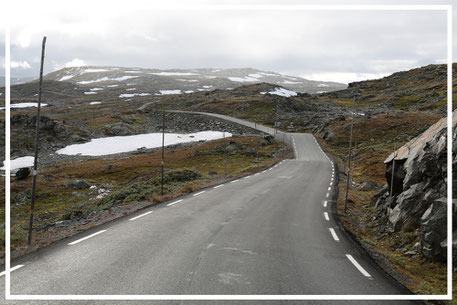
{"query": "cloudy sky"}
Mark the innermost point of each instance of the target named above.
(339, 46)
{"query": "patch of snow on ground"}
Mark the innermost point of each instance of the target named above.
(210, 76)
(207, 87)
(164, 92)
(105, 79)
(94, 70)
(289, 82)
(125, 95)
(95, 103)
(20, 162)
(130, 89)
(173, 73)
(96, 89)
(90, 92)
(66, 77)
(319, 92)
(112, 86)
(133, 71)
(282, 92)
(255, 75)
(268, 74)
(114, 145)
(189, 91)
(24, 105)
(323, 85)
(187, 80)
(242, 80)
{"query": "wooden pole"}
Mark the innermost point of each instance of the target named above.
(225, 156)
(349, 160)
(163, 147)
(393, 171)
(37, 138)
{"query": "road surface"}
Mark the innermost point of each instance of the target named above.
(271, 233)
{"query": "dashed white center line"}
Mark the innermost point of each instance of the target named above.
(87, 237)
(140, 215)
(357, 265)
(235, 181)
(331, 183)
(326, 216)
(174, 202)
(11, 269)
(220, 185)
(325, 203)
(199, 193)
(327, 195)
(329, 188)
(335, 237)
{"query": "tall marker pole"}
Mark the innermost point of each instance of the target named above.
(163, 147)
(349, 159)
(35, 162)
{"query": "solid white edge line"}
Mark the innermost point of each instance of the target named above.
(335, 237)
(235, 181)
(357, 265)
(174, 202)
(12, 269)
(218, 186)
(87, 237)
(325, 203)
(199, 193)
(136, 217)
(256, 174)
(326, 216)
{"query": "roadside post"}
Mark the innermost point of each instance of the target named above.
(37, 139)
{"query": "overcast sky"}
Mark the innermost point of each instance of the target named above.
(339, 46)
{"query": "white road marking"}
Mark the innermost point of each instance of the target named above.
(11, 269)
(327, 195)
(335, 237)
(256, 174)
(141, 215)
(247, 177)
(220, 185)
(326, 216)
(331, 183)
(325, 203)
(199, 193)
(235, 181)
(87, 237)
(175, 202)
(357, 265)
(329, 188)
(264, 171)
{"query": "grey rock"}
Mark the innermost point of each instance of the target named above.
(79, 184)
(22, 173)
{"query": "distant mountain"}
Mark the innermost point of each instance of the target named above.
(15, 80)
(161, 82)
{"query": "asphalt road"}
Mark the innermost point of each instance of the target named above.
(272, 233)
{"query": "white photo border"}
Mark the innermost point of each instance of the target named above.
(448, 296)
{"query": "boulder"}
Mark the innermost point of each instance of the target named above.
(22, 173)
(434, 228)
(369, 185)
(79, 184)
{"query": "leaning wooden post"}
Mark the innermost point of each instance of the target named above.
(393, 171)
(163, 147)
(35, 162)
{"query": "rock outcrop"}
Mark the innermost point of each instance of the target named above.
(419, 190)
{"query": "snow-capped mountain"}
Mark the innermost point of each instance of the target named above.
(138, 82)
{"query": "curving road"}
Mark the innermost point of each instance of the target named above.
(272, 233)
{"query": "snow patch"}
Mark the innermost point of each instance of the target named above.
(164, 92)
(126, 95)
(66, 77)
(255, 75)
(121, 144)
(94, 70)
(189, 91)
(95, 103)
(20, 162)
(24, 105)
(173, 73)
(90, 92)
(289, 82)
(112, 86)
(281, 92)
(323, 85)
(242, 80)
(130, 89)
(96, 89)
(105, 79)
